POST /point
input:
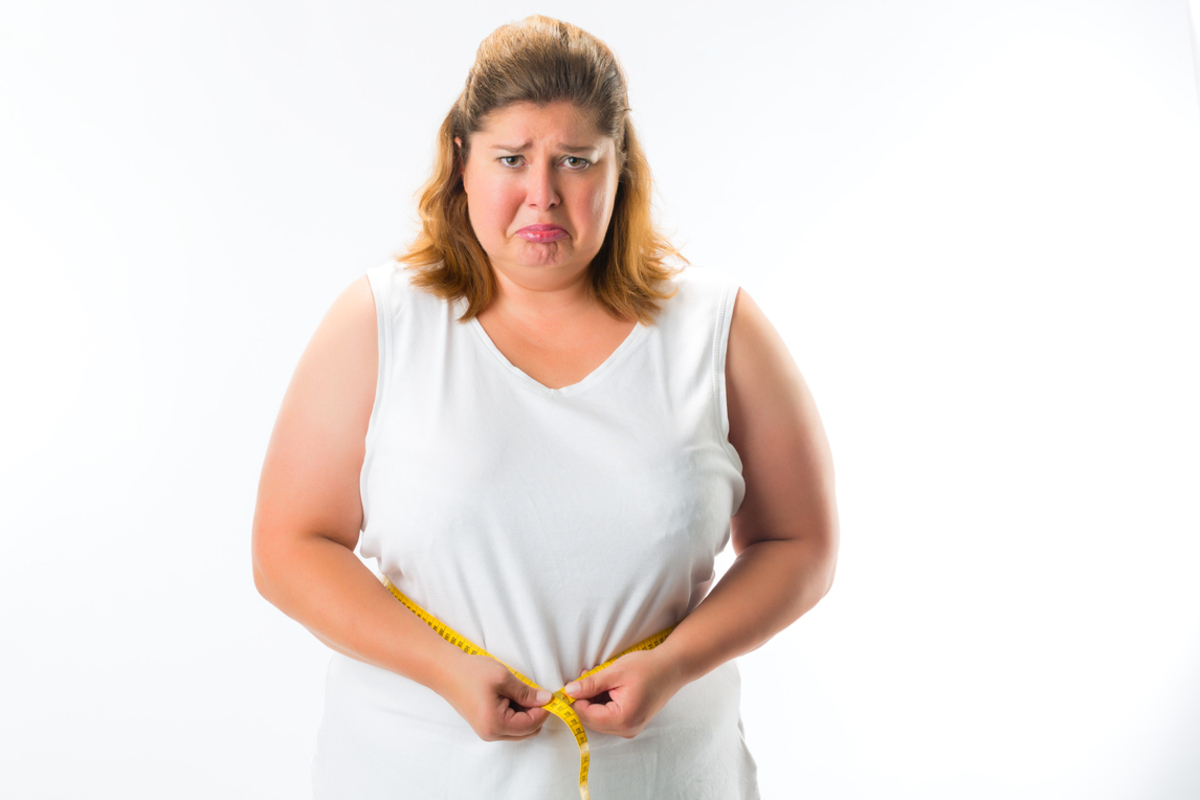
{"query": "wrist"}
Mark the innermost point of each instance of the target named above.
(442, 669)
(689, 660)
(674, 665)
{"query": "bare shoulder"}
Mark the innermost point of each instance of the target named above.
(777, 431)
(765, 386)
(346, 341)
(309, 480)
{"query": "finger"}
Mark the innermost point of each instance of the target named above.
(592, 685)
(524, 695)
(511, 738)
(601, 717)
(524, 715)
(523, 724)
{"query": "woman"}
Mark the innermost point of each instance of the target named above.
(544, 435)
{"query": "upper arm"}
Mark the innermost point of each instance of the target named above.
(774, 425)
(309, 484)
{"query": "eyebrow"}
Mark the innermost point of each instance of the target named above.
(569, 148)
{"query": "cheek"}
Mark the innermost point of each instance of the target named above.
(490, 207)
(601, 208)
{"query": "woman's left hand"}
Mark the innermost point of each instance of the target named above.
(622, 698)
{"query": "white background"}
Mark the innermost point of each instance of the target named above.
(974, 223)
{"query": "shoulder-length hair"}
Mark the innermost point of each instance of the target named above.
(542, 60)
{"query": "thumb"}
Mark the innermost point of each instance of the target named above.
(590, 686)
(524, 694)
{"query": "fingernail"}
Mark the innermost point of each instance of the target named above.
(572, 688)
(544, 697)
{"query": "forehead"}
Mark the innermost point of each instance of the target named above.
(527, 122)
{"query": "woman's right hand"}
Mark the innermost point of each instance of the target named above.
(494, 703)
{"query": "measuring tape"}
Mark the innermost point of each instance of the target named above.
(560, 704)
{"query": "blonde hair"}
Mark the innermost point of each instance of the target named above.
(542, 60)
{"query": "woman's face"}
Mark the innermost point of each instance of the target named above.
(540, 184)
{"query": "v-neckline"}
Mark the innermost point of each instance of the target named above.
(615, 357)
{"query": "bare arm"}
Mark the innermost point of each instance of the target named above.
(785, 534)
(307, 522)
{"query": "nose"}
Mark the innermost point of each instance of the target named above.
(541, 190)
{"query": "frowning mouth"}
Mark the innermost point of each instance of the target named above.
(542, 233)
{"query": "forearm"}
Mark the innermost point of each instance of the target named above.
(768, 587)
(325, 587)
(770, 584)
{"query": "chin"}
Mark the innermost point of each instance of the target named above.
(543, 255)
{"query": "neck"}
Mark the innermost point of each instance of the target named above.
(542, 296)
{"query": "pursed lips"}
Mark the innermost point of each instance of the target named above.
(543, 233)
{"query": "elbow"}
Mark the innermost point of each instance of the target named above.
(830, 571)
(815, 566)
(260, 580)
(831, 558)
(261, 563)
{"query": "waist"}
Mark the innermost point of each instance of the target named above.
(710, 703)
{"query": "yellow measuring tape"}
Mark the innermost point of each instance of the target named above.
(560, 704)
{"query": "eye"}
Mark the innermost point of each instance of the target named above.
(575, 162)
(510, 161)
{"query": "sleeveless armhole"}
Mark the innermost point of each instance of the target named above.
(720, 349)
(383, 282)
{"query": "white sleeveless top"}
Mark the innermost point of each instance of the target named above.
(554, 528)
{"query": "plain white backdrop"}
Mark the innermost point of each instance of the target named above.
(977, 226)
